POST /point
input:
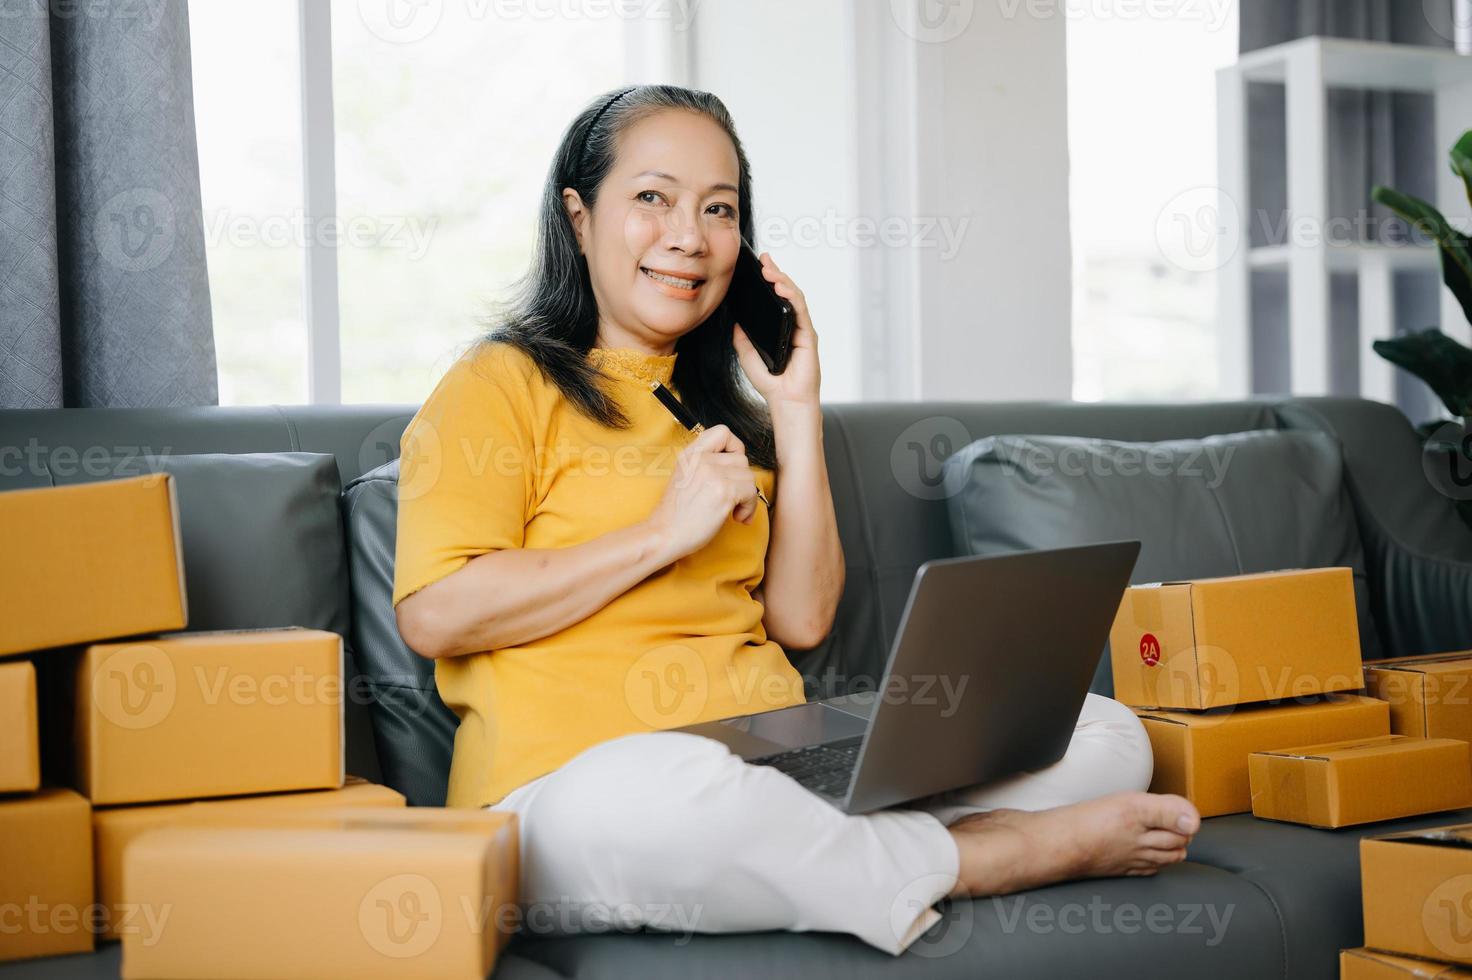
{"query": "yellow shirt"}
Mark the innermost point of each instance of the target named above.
(497, 458)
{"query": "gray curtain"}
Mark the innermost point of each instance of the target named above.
(104, 297)
(1374, 138)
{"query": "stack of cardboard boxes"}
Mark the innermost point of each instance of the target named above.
(1246, 686)
(207, 804)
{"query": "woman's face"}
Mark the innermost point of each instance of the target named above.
(667, 210)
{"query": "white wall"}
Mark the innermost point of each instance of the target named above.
(783, 69)
(925, 144)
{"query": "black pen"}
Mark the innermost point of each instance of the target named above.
(682, 415)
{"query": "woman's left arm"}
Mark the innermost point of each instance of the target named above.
(805, 567)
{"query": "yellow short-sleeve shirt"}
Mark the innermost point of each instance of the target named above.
(498, 458)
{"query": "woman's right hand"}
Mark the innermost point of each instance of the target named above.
(712, 481)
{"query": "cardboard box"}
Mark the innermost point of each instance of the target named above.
(91, 561)
(113, 828)
(45, 875)
(1416, 886)
(417, 892)
(1336, 784)
(1215, 642)
(1370, 964)
(1203, 755)
(1428, 696)
(210, 714)
(20, 744)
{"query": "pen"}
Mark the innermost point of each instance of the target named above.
(683, 416)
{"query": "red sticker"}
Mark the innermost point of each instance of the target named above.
(1150, 649)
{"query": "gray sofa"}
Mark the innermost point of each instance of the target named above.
(1254, 899)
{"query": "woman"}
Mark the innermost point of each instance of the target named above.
(585, 573)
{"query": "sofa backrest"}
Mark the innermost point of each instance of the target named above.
(884, 463)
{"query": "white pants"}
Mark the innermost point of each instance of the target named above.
(671, 831)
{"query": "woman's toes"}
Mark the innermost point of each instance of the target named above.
(1163, 840)
(1167, 811)
(1163, 857)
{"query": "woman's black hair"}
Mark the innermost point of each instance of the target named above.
(553, 316)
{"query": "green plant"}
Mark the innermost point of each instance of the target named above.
(1443, 363)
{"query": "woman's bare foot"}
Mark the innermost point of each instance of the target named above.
(1129, 833)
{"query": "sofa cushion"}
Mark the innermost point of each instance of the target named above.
(263, 547)
(413, 729)
(1221, 505)
(241, 514)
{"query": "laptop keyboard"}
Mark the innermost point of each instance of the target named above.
(826, 769)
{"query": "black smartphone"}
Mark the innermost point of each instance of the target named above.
(767, 318)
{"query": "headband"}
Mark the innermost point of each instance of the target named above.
(583, 149)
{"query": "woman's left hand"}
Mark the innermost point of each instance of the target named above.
(798, 383)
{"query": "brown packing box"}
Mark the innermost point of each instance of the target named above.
(90, 562)
(417, 892)
(1417, 892)
(209, 714)
(1370, 964)
(1214, 642)
(1336, 784)
(45, 875)
(113, 828)
(1203, 755)
(1429, 696)
(20, 747)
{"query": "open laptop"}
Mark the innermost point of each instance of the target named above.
(986, 678)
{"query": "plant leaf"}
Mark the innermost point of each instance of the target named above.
(1438, 360)
(1456, 252)
(1462, 161)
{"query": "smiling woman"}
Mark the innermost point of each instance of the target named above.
(586, 576)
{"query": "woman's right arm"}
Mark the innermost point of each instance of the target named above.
(516, 595)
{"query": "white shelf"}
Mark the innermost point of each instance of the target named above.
(1350, 258)
(1307, 69)
(1361, 64)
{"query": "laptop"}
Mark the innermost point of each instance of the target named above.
(986, 678)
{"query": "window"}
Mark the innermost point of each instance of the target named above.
(250, 153)
(444, 121)
(1142, 144)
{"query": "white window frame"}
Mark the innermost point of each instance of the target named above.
(656, 50)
